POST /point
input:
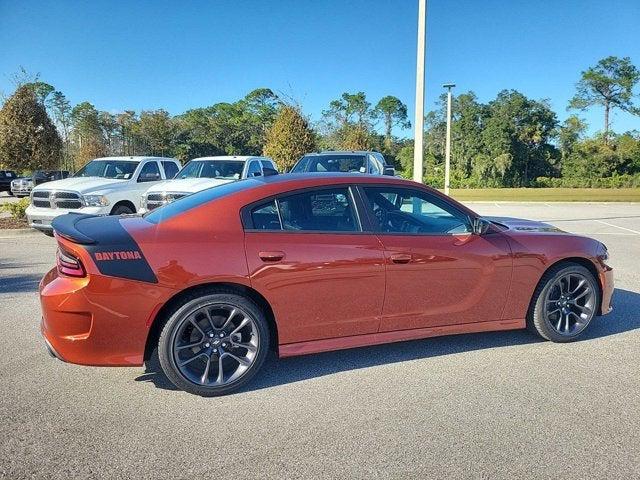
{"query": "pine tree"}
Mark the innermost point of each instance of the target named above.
(289, 138)
(28, 138)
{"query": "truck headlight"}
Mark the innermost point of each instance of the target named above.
(95, 200)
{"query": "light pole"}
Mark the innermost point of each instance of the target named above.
(447, 148)
(418, 142)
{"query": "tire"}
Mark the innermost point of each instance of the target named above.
(191, 354)
(122, 210)
(553, 295)
(10, 193)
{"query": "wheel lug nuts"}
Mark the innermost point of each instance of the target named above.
(210, 335)
(207, 345)
(215, 350)
(221, 335)
(224, 344)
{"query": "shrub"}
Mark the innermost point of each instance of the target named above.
(16, 209)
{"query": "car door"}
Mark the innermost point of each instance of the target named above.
(438, 272)
(149, 175)
(308, 255)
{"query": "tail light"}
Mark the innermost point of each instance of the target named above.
(69, 265)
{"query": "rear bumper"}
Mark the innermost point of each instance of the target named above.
(94, 320)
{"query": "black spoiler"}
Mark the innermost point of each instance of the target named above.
(70, 226)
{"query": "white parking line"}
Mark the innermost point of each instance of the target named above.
(616, 226)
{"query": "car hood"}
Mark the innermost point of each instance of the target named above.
(189, 185)
(522, 225)
(82, 184)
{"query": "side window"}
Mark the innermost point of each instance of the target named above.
(403, 210)
(268, 164)
(254, 169)
(326, 210)
(170, 169)
(265, 216)
(150, 172)
(374, 166)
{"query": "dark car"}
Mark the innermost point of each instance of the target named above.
(22, 186)
(43, 176)
(6, 177)
(372, 163)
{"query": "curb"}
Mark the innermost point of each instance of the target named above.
(16, 232)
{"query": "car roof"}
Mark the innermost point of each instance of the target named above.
(228, 157)
(135, 158)
(340, 152)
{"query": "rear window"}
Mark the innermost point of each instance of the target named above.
(194, 200)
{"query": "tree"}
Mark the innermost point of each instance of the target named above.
(393, 112)
(157, 131)
(42, 91)
(348, 121)
(61, 111)
(28, 138)
(610, 84)
(289, 138)
(571, 132)
(87, 132)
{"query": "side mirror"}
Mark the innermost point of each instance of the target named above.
(389, 171)
(148, 177)
(479, 226)
(268, 171)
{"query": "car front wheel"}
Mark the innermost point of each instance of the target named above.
(213, 343)
(564, 303)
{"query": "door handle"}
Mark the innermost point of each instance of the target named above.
(273, 256)
(400, 257)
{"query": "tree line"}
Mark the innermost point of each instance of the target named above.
(512, 140)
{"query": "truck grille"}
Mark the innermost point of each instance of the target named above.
(155, 200)
(48, 199)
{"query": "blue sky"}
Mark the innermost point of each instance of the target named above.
(185, 54)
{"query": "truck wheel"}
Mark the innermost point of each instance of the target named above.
(122, 210)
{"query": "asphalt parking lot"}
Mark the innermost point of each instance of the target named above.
(495, 405)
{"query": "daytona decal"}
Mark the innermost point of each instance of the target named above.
(126, 255)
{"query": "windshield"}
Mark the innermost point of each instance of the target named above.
(331, 163)
(226, 169)
(117, 169)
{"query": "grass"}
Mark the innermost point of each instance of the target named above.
(547, 194)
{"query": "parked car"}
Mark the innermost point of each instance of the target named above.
(205, 172)
(104, 186)
(347, 162)
(21, 187)
(306, 263)
(6, 177)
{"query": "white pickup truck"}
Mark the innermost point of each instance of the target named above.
(205, 172)
(104, 186)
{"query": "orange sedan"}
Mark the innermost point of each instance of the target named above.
(304, 264)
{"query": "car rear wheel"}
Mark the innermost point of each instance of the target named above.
(213, 343)
(564, 303)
